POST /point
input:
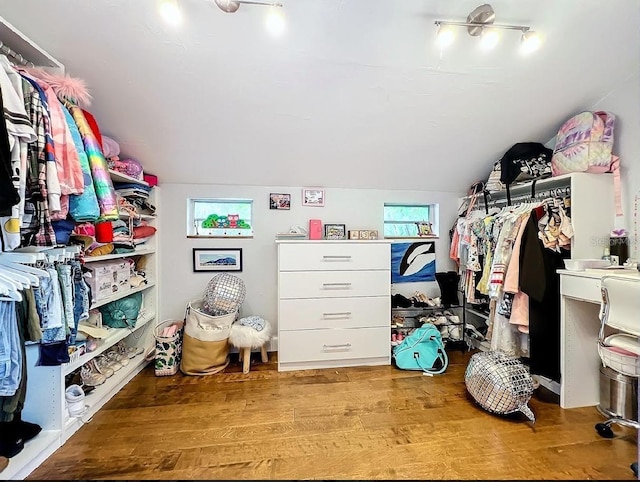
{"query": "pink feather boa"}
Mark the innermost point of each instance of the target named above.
(68, 88)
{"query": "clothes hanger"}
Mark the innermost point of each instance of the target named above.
(32, 279)
(21, 278)
(24, 268)
(9, 289)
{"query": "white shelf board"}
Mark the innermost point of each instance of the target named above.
(103, 393)
(34, 453)
(117, 335)
(137, 252)
(119, 177)
(146, 217)
(117, 296)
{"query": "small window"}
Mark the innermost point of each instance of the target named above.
(220, 217)
(410, 220)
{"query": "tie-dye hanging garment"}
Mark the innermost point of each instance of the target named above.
(82, 207)
(101, 179)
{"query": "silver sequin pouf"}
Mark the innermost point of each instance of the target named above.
(499, 383)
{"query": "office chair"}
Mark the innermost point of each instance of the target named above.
(619, 350)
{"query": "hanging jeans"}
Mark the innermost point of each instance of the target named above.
(49, 307)
(66, 290)
(80, 298)
(10, 352)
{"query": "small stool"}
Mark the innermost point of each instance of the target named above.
(246, 337)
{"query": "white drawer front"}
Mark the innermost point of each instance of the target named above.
(334, 284)
(587, 289)
(308, 314)
(338, 256)
(336, 344)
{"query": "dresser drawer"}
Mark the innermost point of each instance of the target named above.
(333, 344)
(334, 284)
(359, 312)
(334, 256)
(581, 288)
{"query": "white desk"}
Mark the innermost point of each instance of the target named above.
(580, 298)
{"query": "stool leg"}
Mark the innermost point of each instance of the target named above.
(263, 352)
(246, 360)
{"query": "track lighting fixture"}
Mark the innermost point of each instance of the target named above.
(480, 24)
(231, 6)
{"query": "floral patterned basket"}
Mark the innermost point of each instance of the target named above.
(168, 349)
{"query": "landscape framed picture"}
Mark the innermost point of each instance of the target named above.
(217, 259)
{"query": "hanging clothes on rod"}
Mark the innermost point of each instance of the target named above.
(497, 249)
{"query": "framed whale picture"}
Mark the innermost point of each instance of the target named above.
(412, 262)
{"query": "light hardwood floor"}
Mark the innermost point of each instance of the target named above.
(347, 423)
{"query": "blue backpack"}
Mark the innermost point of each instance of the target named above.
(422, 350)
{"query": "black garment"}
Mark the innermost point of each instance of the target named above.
(8, 193)
(539, 279)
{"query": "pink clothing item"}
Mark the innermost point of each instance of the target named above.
(67, 159)
(520, 311)
(512, 278)
(64, 209)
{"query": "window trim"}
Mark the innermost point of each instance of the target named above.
(434, 218)
(190, 217)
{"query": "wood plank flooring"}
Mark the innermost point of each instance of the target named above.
(346, 423)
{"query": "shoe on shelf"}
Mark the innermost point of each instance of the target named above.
(444, 332)
(129, 351)
(122, 357)
(454, 332)
(399, 301)
(11, 442)
(114, 360)
(74, 395)
(91, 378)
(473, 332)
(102, 366)
(27, 430)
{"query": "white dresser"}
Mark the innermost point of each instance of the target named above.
(334, 304)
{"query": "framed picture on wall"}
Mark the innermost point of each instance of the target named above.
(312, 196)
(217, 259)
(279, 201)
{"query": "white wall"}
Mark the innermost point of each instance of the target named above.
(357, 208)
(624, 100)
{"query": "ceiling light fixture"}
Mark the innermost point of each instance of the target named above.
(231, 6)
(480, 24)
(170, 12)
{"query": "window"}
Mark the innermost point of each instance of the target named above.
(220, 217)
(410, 220)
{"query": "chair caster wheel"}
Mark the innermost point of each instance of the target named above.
(604, 430)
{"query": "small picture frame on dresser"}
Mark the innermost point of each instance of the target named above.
(335, 231)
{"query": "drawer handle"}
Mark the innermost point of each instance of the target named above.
(336, 285)
(342, 345)
(345, 314)
(327, 258)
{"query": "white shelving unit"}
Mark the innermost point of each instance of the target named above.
(45, 401)
(592, 219)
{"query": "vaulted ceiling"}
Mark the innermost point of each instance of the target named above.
(354, 94)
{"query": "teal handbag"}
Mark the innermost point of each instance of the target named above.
(122, 313)
(422, 350)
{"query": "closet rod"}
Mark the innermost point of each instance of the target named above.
(15, 55)
(547, 193)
